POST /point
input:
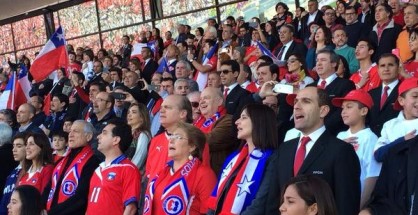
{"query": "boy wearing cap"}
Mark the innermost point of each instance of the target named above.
(355, 108)
(404, 127)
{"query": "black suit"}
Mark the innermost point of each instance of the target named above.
(237, 98)
(125, 51)
(337, 88)
(332, 160)
(379, 117)
(397, 182)
(7, 164)
(294, 48)
(304, 31)
(149, 70)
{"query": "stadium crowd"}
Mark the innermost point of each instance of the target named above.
(308, 113)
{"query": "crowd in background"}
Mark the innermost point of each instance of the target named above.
(314, 112)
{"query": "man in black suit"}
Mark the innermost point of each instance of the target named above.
(318, 152)
(125, 51)
(235, 96)
(149, 65)
(398, 182)
(314, 15)
(382, 111)
(289, 46)
(326, 62)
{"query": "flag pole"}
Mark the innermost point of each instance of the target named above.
(14, 90)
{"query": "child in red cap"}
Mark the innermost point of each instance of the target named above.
(356, 105)
(403, 127)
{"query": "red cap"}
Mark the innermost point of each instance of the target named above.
(355, 95)
(407, 84)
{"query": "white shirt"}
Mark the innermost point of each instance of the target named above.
(245, 84)
(314, 136)
(230, 88)
(329, 80)
(366, 141)
(286, 47)
(292, 134)
(394, 129)
(311, 17)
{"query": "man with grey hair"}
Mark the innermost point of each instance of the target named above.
(183, 70)
(68, 190)
(181, 87)
(7, 163)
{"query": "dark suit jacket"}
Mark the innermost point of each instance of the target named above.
(398, 181)
(149, 70)
(7, 164)
(332, 160)
(236, 100)
(379, 117)
(126, 54)
(338, 88)
(296, 47)
(304, 31)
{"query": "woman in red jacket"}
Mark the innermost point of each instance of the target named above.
(184, 185)
(38, 150)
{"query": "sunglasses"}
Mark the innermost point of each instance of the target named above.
(224, 71)
(195, 104)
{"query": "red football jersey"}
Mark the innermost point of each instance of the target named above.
(113, 187)
(39, 179)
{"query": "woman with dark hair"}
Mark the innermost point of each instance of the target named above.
(411, 65)
(39, 152)
(101, 54)
(307, 195)
(135, 66)
(117, 60)
(139, 120)
(19, 155)
(297, 75)
(283, 15)
(270, 36)
(257, 128)
(184, 185)
(322, 40)
(342, 69)
(25, 200)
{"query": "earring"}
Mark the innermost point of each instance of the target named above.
(190, 157)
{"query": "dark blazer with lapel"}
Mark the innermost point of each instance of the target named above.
(330, 159)
(398, 181)
(304, 31)
(149, 70)
(236, 100)
(337, 88)
(296, 47)
(379, 117)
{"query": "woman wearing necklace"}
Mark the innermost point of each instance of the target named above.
(184, 185)
(248, 171)
(38, 150)
(297, 76)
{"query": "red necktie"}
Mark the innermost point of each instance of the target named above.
(323, 84)
(300, 155)
(226, 92)
(384, 96)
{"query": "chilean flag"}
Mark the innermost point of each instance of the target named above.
(6, 98)
(52, 56)
(202, 78)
